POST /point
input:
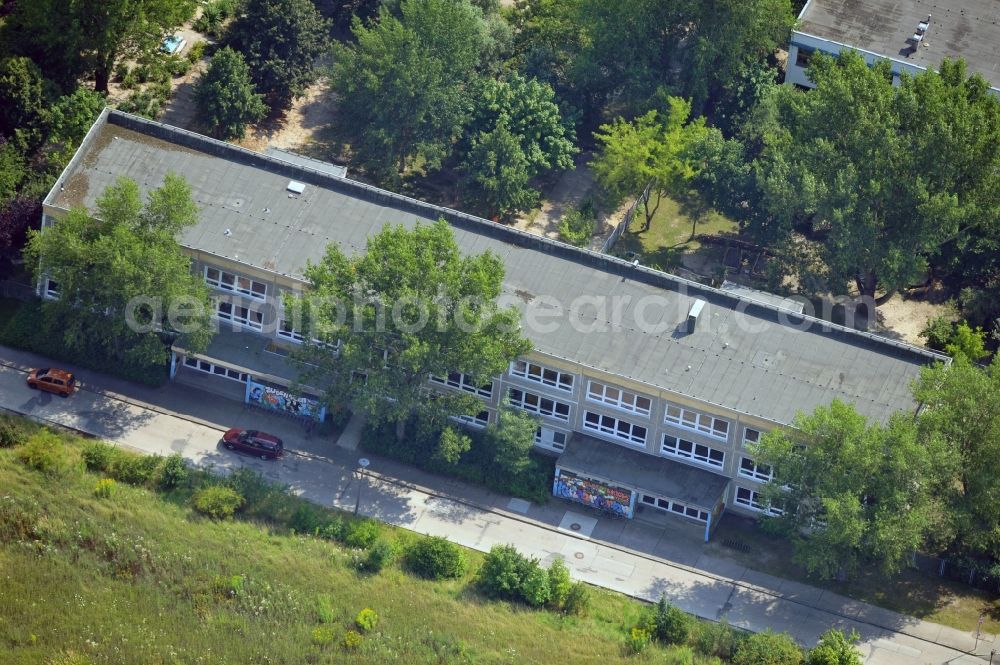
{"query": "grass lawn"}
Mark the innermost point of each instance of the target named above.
(137, 577)
(670, 233)
(911, 592)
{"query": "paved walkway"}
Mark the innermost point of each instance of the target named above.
(631, 557)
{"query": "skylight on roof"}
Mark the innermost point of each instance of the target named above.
(296, 187)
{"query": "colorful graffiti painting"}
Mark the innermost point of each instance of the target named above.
(592, 493)
(277, 399)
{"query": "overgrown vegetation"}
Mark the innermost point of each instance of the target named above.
(138, 559)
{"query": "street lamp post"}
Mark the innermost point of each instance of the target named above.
(362, 465)
(993, 652)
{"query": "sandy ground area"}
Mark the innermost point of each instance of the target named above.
(298, 127)
(573, 186)
(904, 318)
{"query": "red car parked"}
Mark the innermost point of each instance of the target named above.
(258, 444)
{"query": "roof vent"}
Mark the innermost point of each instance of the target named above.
(227, 233)
(693, 315)
(920, 32)
(296, 187)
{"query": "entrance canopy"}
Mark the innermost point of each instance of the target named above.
(647, 474)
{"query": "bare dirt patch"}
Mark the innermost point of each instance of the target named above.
(904, 316)
(297, 129)
(573, 187)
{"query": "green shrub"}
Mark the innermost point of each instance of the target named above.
(121, 70)
(352, 640)
(216, 501)
(636, 641)
(768, 648)
(105, 488)
(19, 519)
(559, 584)
(503, 572)
(332, 530)
(322, 635)
(12, 433)
(97, 455)
(717, 639)
(577, 226)
(671, 624)
(435, 558)
(535, 587)
(578, 600)
(379, 555)
(263, 499)
(362, 533)
(196, 51)
(173, 472)
(835, 648)
(307, 518)
(229, 586)
(44, 452)
(133, 468)
(366, 620)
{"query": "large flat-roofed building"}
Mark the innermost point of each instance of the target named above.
(646, 385)
(913, 36)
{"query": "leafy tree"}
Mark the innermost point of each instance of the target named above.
(17, 215)
(731, 38)
(22, 95)
(451, 446)
(12, 171)
(69, 119)
(517, 132)
(114, 29)
(408, 81)
(889, 504)
(408, 308)
(631, 154)
(835, 648)
(225, 97)
(280, 41)
(883, 176)
(967, 342)
(107, 265)
(768, 648)
(959, 406)
(49, 33)
(511, 439)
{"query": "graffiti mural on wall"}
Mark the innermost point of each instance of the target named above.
(277, 399)
(592, 493)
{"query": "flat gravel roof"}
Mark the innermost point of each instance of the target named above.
(599, 311)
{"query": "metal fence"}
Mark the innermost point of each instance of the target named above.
(979, 574)
(609, 244)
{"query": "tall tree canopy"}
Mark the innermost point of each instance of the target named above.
(70, 37)
(863, 493)
(652, 148)
(107, 265)
(405, 83)
(884, 176)
(960, 403)
(410, 307)
(225, 97)
(280, 41)
(516, 133)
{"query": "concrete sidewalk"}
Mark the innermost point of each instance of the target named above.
(630, 557)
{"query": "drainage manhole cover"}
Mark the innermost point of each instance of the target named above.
(579, 555)
(574, 526)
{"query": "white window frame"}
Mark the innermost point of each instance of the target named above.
(474, 421)
(540, 404)
(754, 471)
(461, 381)
(215, 370)
(540, 374)
(616, 431)
(674, 507)
(235, 284)
(52, 293)
(752, 502)
(291, 334)
(550, 439)
(236, 316)
(671, 446)
(696, 421)
(746, 440)
(626, 400)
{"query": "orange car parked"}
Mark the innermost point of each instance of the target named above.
(52, 380)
